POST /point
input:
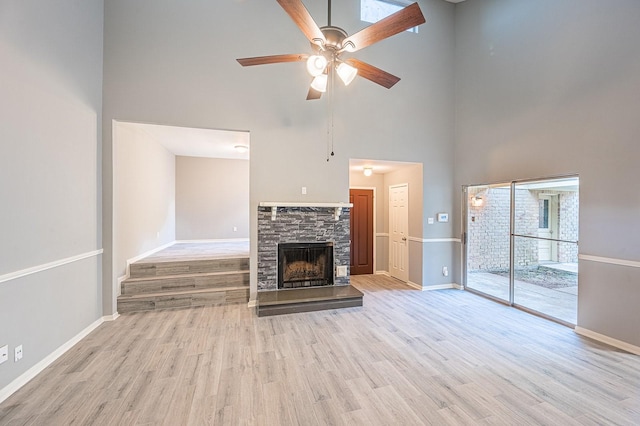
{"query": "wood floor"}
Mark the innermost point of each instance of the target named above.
(404, 358)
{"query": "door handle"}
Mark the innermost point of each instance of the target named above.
(404, 238)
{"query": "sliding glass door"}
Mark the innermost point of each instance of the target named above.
(541, 271)
(545, 241)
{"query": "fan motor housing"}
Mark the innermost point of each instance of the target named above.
(334, 37)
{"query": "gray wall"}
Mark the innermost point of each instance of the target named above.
(144, 195)
(174, 63)
(548, 88)
(212, 197)
(50, 128)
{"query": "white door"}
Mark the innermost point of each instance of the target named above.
(398, 220)
(547, 227)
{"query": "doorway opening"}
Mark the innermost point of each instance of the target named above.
(521, 245)
(173, 185)
(385, 238)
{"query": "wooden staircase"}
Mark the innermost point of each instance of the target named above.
(176, 283)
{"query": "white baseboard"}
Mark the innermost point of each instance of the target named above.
(251, 304)
(608, 340)
(383, 273)
(435, 287)
(414, 285)
(113, 317)
(25, 377)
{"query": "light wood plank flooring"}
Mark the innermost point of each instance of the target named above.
(405, 358)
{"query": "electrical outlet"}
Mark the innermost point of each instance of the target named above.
(18, 353)
(304, 190)
(4, 353)
(235, 229)
(341, 271)
(445, 271)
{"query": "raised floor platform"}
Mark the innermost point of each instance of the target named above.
(291, 301)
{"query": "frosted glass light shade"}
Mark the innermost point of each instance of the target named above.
(319, 83)
(346, 73)
(316, 64)
(368, 171)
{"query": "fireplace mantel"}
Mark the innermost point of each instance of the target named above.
(275, 204)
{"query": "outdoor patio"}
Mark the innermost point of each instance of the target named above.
(560, 302)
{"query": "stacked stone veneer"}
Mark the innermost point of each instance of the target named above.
(300, 224)
(488, 228)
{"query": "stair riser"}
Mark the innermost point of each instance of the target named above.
(184, 301)
(185, 283)
(142, 270)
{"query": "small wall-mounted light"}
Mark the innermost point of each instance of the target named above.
(368, 171)
(241, 148)
(477, 201)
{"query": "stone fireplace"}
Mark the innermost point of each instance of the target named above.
(319, 230)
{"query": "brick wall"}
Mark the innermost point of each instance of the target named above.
(568, 226)
(488, 228)
(300, 224)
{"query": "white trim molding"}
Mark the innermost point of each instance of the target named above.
(252, 303)
(382, 234)
(435, 287)
(56, 263)
(25, 377)
(609, 260)
(386, 273)
(434, 240)
(608, 340)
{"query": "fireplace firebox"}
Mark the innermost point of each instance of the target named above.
(305, 265)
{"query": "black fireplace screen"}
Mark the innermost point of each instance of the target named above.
(305, 264)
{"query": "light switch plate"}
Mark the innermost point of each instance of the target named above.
(4, 353)
(430, 221)
(18, 353)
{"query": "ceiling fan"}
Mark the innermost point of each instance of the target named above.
(330, 42)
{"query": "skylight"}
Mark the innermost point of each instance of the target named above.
(375, 10)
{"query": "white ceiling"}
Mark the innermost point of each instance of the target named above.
(192, 142)
(377, 166)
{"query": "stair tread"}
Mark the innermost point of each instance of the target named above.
(180, 292)
(152, 261)
(196, 274)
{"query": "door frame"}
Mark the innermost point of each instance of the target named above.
(371, 188)
(398, 185)
(512, 235)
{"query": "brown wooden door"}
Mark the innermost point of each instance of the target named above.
(361, 231)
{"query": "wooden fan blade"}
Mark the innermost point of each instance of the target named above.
(374, 74)
(303, 20)
(400, 21)
(313, 94)
(273, 59)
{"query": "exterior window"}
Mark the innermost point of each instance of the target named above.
(543, 218)
(375, 10)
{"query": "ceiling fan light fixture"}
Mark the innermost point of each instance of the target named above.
(346, 73)
(319, 83)
(316, 65)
